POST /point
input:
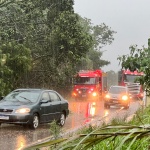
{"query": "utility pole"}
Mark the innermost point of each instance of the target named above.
(145, 93)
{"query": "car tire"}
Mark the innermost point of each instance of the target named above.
(62, 120)
(106, 105)
(126, 106)
(35, 121)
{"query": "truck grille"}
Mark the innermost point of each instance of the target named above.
(134, 88)
(83, 91)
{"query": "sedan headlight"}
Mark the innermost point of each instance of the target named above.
(124, 97)
(22, 110)
(107, 96)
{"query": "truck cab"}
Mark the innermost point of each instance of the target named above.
(129, 79)
(88, 85)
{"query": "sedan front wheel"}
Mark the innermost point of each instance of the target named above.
(35, 121)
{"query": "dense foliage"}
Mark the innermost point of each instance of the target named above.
(57, 39)
(15, 62)
(102, 35)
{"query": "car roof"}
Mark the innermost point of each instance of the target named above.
(32, 89)
(118, 87)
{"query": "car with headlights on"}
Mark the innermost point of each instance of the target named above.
(31, 107)
(117, 95)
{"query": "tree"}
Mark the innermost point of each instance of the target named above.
(51, 30)
(55, 36)
(138, 59)
(102, 35)
(112, 78)
(95, 57)
(15, 62)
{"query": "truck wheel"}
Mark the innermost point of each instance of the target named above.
(35, 121)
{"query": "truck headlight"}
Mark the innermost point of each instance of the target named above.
(94, 94)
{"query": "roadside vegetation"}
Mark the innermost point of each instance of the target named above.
(43, 43)
(120, 134)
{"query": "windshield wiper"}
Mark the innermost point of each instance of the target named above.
(26, 98)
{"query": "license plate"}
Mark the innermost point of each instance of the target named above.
(115, 102)
(4, 117)
(83, 95)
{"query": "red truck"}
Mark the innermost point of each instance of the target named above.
(89, 84)
(128, 78)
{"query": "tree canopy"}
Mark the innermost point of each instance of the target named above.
(50, 39)
(102, 35)
(15, 62)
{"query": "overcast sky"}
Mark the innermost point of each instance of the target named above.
(129, 18)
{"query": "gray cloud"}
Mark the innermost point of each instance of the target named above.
(129, 18)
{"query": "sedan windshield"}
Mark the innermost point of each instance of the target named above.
(22, 96)
(116, 90)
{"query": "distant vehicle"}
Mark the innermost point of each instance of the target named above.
(32, 107)
(89, 84)
(128, 78)
(117, 95)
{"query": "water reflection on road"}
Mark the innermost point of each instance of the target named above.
(81, 113)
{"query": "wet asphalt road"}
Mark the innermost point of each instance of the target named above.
(14, 137)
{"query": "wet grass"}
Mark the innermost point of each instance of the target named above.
(118, 135)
